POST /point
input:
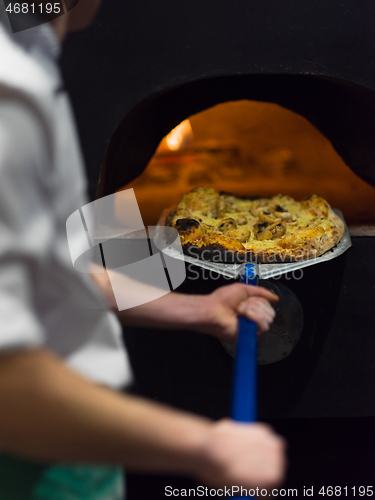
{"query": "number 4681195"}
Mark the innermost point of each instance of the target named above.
(338, 491)
(34, 8)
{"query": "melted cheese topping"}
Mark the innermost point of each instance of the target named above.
(309, 218)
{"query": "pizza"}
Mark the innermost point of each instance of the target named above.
(223, 227)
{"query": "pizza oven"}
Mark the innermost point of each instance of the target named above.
(255, 98)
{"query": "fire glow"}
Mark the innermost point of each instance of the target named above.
(179, 138)
(251, 148)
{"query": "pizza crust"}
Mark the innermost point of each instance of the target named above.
(204, 214)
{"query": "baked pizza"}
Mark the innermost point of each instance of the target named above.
(223, 227)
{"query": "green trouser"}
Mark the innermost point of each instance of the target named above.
(24, 480)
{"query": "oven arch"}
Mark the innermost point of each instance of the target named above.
(344, 112)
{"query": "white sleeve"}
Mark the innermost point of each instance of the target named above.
(26, 224)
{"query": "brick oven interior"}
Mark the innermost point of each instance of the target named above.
(251, 148)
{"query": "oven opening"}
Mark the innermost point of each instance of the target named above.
(250, 148)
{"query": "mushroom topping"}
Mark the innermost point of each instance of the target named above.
(241, 234)
(278, 231)
(263, 234)
(266, 214)
(241, 220)
(279, 208)
(262, 225)
(265, 217)
(286, 216)
(267, 231)
(282, 212)
(274, 223)
(222, 206)
(277, 228)
(227, 223)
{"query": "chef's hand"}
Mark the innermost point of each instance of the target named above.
(225, 304)
(247, 455)
(215, 314)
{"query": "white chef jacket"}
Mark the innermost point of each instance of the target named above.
(44, 301)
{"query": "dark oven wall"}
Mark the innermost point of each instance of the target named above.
(139, 55)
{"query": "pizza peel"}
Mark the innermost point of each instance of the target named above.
(244, 390)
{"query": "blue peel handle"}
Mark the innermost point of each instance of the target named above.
(244, 392)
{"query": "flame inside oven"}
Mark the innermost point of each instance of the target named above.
(179, 138)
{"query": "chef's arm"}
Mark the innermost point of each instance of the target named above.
(50, 413)
(215, 314)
